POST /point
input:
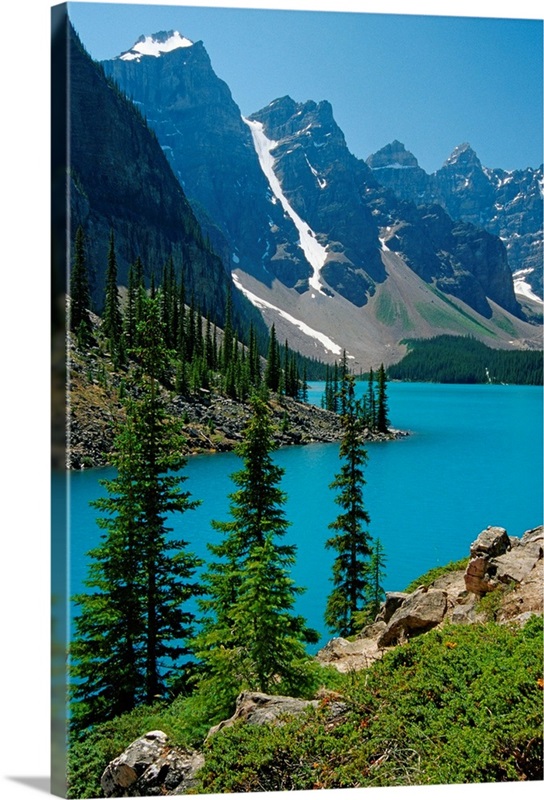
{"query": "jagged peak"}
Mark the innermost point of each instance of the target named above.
(155, 45)
(392, 156)
(463, 154)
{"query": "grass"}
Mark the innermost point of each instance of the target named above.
(436, 572)
(388, 312)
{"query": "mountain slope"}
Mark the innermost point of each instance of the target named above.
(315, 241)
(202, 133)
(507, 204)
(121, 180)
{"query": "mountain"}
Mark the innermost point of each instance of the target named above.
(210, 149)
(120, 179)
(505, 203)
(326, 252)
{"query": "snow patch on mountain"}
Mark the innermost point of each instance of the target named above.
(258, 302)
(314, 252)
(523, 288)
(155, 45)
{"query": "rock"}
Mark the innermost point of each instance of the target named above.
(494, 561)
(348, 656)
(257, 708)
(420, 612)
(393, 600)
(464, 613)
(149, 766)
(491, 542)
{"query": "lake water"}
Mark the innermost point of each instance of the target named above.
(473, 459)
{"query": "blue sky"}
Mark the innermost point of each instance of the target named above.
(431, 82)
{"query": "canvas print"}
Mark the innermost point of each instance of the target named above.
(297, 382)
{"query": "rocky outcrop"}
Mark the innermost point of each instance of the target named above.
(149, 767)
(347, 656)
(421, 611)
(512, 567)
(257, 708)
(496, 559)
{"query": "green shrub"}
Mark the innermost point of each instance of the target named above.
(436, 572)
(459, 705)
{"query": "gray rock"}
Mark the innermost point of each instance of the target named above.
(491, 542)
(495, 561)
(257, 708)
(420, 612)
(393, 600)
(149, 767)
(347, 656)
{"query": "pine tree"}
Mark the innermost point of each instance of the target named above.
(80, 299)
(251, 639)
(382, 418)
(272, 372)
(369, 403)
(376, 570)
(113, 322)
(132, 626)
(351, 540)
(228, 335)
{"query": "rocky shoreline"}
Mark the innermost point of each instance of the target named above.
(212, 423)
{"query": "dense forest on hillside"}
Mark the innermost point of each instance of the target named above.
(460, 359)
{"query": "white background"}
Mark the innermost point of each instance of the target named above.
(24, 393)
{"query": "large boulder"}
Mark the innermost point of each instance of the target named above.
(421, 611)
(496, 559)
(257, 708)
(149, 767)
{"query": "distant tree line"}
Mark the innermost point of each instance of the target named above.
(373, 411)
(463, 359)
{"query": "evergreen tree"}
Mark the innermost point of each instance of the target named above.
(131, 629)
(80, 299)
(251, 638)
(369, 404)
(382, 417)
(254, 360)
(113, 322)
(228, 335)
(376, 570)
(351, 540)
(304, 387)
(273, 366)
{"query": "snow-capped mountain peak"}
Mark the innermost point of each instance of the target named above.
(155, 45)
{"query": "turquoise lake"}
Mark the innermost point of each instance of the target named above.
(473, 459)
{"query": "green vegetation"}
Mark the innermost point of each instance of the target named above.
(390, 313)
(132, 623)
(351, 540)
(250, 638)
(459, 705)
(456, 359)
(468, 322)
(373, 409)
(436, 572)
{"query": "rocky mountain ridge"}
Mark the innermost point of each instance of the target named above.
(316, 242)
(121, 181)
(505, 203)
